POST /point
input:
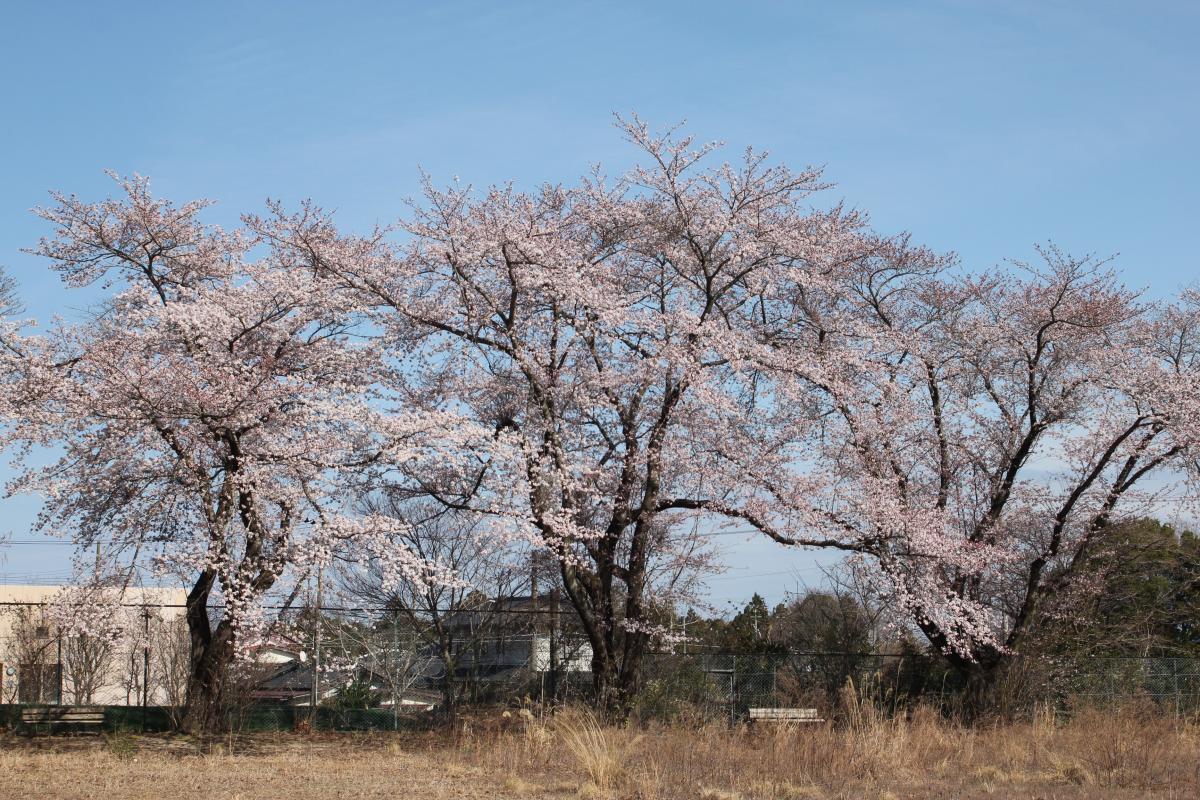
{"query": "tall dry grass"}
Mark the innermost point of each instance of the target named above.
(603, 752)
(1122, 753)
(1118, 753)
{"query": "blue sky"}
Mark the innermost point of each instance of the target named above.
(982, 127)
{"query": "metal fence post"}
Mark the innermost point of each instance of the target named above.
(733, 693)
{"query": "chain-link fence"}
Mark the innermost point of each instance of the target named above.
(726, 686)
(1171, 684)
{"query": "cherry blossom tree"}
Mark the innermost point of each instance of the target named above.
(610, 335)
(92, 625)
(209, 416)
(988, 430)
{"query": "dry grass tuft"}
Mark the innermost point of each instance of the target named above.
(785, 790)
(717, 794)
(1068, 771)
(601, 752)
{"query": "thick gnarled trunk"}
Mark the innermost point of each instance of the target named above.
(209, 663)
(206, 708)
(617, 653)
(616, 683)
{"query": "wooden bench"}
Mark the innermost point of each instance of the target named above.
(47, 719)
(784, 715)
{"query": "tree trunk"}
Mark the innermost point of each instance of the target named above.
(617, 678)
(616, 660)
(604, 682)
(979, 693)
(205, 710)
(449, 684)
(208, 664)
(981, 672)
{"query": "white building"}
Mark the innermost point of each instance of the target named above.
(43, 660)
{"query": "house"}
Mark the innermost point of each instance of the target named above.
(499, 644)
(290, 682)
(519, 637)
(125, 655)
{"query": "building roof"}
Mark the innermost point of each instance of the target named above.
(524, 609)
(138, 595)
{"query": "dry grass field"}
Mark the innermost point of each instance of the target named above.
(1094, 755)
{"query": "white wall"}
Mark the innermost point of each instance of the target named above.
(166, 603)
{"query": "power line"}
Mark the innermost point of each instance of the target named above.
(710, 534)
(347, 609)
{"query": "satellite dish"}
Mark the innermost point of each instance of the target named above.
(303, 656)
(10, 670)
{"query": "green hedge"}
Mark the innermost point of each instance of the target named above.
(160, 719)
(153, 719)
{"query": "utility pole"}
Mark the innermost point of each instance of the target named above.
(533, 581)
(554, 637)
(59, 701)
(316, 678)
(145, 664)
(396, 666)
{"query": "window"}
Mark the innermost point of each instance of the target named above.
(39, 683)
